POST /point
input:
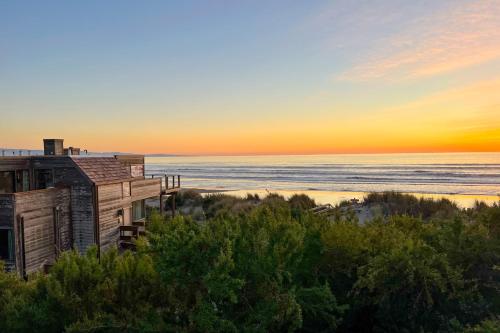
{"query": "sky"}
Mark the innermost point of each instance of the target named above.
(251, 77)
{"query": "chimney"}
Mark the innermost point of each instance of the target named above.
(53, 147)
(75, 151)
(71, 151)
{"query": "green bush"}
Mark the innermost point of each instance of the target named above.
(271, 265)
(188, 197)
(301, 201)
(394, 203)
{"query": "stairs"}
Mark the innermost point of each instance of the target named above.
(130, 233)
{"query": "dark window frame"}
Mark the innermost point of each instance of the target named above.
(9, 245)
(5, 175)
(46, 183)
(22, 180)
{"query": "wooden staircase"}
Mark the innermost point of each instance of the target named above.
(130, 233)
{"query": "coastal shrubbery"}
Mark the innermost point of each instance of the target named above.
(394, 203)
(260, 265)
(212, 204)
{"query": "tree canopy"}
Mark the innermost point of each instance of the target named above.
(270, 265)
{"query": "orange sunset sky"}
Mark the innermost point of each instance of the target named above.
(251, 77)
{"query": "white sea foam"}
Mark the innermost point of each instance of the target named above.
(450, 173)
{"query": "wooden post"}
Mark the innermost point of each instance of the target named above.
(178, 180)
(20, 248)
(173, 205)
(161, 204)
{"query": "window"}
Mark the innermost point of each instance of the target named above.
(138, 210)
(44, 178)
(22, 181)
(137, 170)
(6, 245)
(26, 180)
(14, 181)
(7, 182)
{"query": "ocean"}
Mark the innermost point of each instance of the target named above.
(464, 177)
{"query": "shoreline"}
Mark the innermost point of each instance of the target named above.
(335, 197)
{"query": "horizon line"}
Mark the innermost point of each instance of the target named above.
(267, 154)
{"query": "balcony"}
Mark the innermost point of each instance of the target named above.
(169, 183)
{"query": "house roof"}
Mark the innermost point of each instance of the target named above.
(102, 170)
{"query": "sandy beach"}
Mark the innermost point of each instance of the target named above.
(331, 197)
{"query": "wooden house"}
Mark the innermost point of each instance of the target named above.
(59, 201)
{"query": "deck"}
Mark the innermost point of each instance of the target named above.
(170, 184)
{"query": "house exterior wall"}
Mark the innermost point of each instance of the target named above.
(135, 163)
(82, 216)
(53, 146)
(14, 163)
(88, 212)
(82, 212)
(42, 226)
(145, 188)
(113, 201)
(18, 166)
(115, 206)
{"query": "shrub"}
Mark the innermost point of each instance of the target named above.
(301, 202)
(271, 265)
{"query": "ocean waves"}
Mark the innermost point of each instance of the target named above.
(335, 173)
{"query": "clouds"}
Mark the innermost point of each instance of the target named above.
(474, 105)
(255, 76)
(455, 37)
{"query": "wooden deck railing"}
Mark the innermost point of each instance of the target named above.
(128, 232)
(168, 182)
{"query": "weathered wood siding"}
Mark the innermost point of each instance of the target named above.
(116, 199)
(127, 210)
(145, 188)
(82, 208)
(82, 213)
(137, 170)
(36, 210)
(113, 200)
(14, 163)
(36, 207)
(135, 163)
(130, 159)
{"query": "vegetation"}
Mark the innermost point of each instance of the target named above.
(394, 203)
(261, 265)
